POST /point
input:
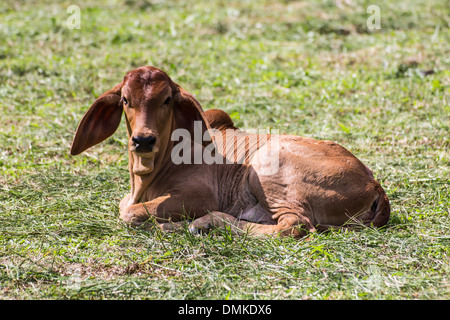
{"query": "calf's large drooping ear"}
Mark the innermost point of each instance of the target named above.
(187, 110)
(99, 122)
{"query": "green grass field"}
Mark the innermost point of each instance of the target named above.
(309, 68)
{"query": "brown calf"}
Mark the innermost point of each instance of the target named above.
(311, 185)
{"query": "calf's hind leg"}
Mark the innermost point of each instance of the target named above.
(288, 225)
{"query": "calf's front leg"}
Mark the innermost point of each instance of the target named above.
(165, 210)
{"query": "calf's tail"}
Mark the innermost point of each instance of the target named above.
(380, 210)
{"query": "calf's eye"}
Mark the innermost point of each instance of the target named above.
(166, 102)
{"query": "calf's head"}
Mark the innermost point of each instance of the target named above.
(153, 105)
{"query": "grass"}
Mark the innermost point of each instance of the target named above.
(310, 68)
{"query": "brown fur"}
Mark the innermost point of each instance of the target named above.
(318, 185)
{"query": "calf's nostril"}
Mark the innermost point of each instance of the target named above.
(144, 143)
(138, 140)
